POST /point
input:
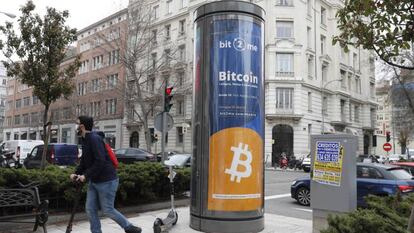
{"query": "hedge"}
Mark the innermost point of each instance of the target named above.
(384, 214)
(138, 183)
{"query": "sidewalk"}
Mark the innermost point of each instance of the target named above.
(273, 223)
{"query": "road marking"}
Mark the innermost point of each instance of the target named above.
(277, 196)
(306, 210)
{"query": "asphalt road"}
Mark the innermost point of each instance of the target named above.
(277, 195)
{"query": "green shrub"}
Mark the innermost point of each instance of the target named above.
(383, 214)
(138, 182)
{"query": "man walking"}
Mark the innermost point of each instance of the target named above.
(97, 169)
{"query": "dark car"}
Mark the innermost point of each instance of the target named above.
(61, 154)
(131, 155)
(372, 178)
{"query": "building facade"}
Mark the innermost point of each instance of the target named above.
(99, 88)
(311, 86)
(3, 97)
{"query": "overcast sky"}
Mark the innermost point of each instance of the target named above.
(82, 13)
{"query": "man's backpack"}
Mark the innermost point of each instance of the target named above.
(111, 155)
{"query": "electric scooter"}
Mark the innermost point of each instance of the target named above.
(78, 185)
(163, 225)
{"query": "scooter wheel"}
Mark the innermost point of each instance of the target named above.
(176, 219)
(157, 225)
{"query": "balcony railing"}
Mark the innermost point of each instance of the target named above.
(285, 74)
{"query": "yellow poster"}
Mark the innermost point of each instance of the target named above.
(327, 166)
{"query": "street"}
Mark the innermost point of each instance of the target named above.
(277, 194)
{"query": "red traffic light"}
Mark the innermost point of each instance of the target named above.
(168, 90)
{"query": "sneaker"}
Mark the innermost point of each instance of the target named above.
(133, 229)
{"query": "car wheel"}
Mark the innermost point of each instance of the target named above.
(303, 196)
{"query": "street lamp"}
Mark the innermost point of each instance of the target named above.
(8, 14)
(322, 93)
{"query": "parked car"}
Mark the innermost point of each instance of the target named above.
(131, 155)
(372, 178)
(367, 159)
(408, 166)
(306, 163)
(61, 154)
(20, 147)
(169, 154)
(179, 160)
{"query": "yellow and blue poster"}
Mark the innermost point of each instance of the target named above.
(327, 167)
(236, 114)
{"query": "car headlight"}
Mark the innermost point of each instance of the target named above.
(294, 182)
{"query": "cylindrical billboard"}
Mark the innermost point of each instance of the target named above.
(228, 118)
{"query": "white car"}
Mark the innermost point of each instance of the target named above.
(306, 163)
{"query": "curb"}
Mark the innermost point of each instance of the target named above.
(81, 216)
(286, 170)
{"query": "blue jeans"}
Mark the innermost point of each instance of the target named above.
(103, 195)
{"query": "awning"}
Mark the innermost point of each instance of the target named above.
(352, 131)
(328, 129)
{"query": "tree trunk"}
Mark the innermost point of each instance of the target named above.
(46, 135)
(147, 132)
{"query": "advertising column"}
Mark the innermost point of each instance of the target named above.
(229, 106)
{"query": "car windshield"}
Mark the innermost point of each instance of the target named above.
(400, 174)
(120, 151)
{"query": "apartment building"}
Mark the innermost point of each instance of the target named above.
(99, 89)
(311, 86)
(3, 96)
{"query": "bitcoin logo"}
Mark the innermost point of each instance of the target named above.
(237, 161)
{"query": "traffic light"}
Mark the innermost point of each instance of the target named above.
(388, 136)
(167, 99)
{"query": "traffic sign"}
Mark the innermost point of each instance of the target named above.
(387, 146)
(158, 122)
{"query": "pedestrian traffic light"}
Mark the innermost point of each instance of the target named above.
(167, 99)
(388, 136)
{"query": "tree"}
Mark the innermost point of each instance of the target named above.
(147, 71)
(384, 26)
(41, 46)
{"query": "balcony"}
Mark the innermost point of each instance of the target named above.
(287, 114)
(285, 74)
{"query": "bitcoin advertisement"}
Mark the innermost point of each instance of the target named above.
(235, 181)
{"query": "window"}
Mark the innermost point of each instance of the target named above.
(66, 135)
(343, 78)
(17, 120)
(155, 12)
(284, 2)
(323, 16)
(167, 29)
(325, 105)
(324, 72)
(309, 5)
(4, 82)
(309, 37)
(372, 89)
(356, 112)
(113, 57)
(311, 65)
(35, 100)
(26, 119)
(34, 118)
(180, 108)
(284, 29)
(95, 85)
(309, 135)
(151, 83)
(112, 81)
(183, 3)
(18, 103)
(154, 36)
(323, 44)
(169, 8)
(180, 79)
(350, 82)
(82, 88)
(181, 53)
(97, 62)
(95, 108)
(182, 27)
(180, 135)
(167, 57)
(309, 101)
(67, 114)
(350, 112)
(343, 110)
(26, 101)
(55, 115)
(355, 61)
(284, 98)
(110, 106)
(84, 67)
(284, 64)
(357, 84)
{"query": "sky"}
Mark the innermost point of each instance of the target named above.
(82, 13)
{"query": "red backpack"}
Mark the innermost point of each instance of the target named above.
(112, 155)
